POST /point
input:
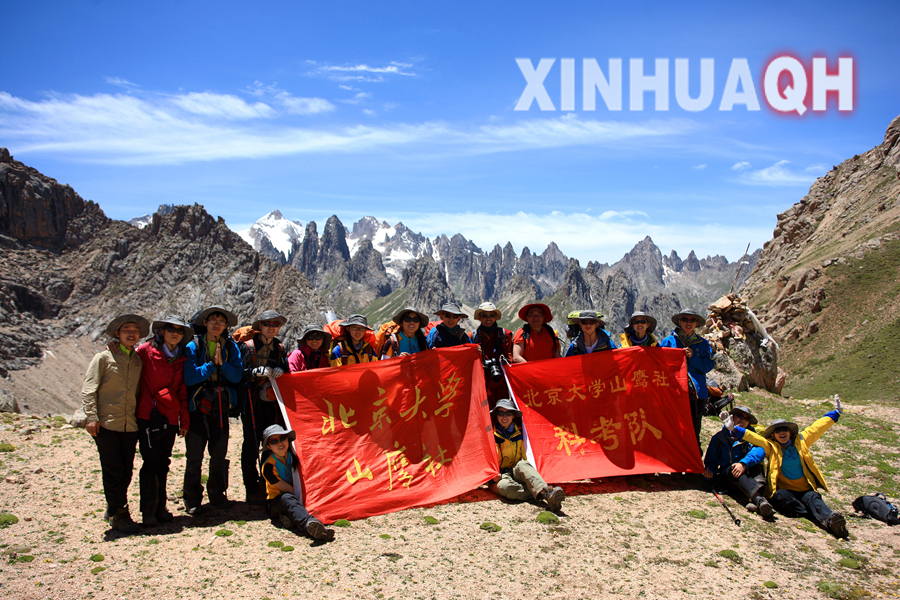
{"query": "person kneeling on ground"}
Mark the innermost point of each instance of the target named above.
(793, 476)
(279, 465)
(518, 479)
(733, 462)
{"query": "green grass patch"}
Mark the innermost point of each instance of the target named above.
(731, 555)
(697, 513)
(385, 536)
(97, 570)
(545, 517)
(770, 584)
(7, 448)
(7, 519)
(97, 558)
(430, 520)
(287, 548)
(275, 544)
(342, 523)
(224, 532)
(492, 527)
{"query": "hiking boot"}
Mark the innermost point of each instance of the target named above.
(121, 522)
(108, 513)
(164, 516)
(837, 525)
(317, 530)
(222, 503)
(255, 497)
(751, 506)
(283, 521)
(149, 520)
(554, 497)
(765, 509)
(194, 511)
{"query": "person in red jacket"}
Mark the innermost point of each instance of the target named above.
(312, 350)
(162, 411)
(495, 344)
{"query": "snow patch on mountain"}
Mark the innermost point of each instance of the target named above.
(280, 232)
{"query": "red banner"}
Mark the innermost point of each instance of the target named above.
(389, 435)
(611, 413)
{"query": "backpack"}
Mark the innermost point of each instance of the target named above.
(334, 328)
(876, 506)
(384, 333)
(526, 333)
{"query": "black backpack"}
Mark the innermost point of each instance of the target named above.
(876, 506)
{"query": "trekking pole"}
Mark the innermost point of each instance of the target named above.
(740, 268)
(728, 510)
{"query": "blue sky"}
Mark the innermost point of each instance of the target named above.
(406, 111)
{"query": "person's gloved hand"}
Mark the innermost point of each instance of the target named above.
(261, 372)
(837, 404)
(727, 421)
(277, 372)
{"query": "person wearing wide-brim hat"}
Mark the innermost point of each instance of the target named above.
(109, 397)
(312, 349)
(264, 356)
(518, 479)
(535, 340)
(495, 344)
(639, 331)
(699, 355)
(793, 476)
(352, 348)
(448, 332)
(731, 462)
(213, 373)
(405, 334)
(593, 338)
(162, 411)
(280, 471)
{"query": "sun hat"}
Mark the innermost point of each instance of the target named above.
(770, 430)
(277, 430)
(506, 404)
(315, 329)
(548, 316)
(486, 307)
(688, 312)
(398, 318)
(651, 321)
(138, 320)
(268, 315)
(357, 320)
(204, 314)
(451, 307)
(589, 315)
(177, 321)
(746, 411)
(572, 317)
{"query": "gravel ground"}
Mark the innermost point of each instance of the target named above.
(649, 537)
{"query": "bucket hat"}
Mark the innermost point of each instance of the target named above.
(178, 322)
(506, 404)
(277, 430)
(651, 321)
(202, 316)
(315, 329)
(398, 318)
(268, 315)
(770, 430)
(453, 308)
(589, 315)
(548, 316)
(688, 312)
(486, 307)
(357, 320)
(140, 321)
(746, 410)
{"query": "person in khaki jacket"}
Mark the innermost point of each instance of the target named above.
(109, 395)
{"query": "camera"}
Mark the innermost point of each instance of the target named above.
(492, 368)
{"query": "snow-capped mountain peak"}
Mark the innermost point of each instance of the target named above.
(274, 231)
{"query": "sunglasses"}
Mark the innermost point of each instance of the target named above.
(781, 429)
(505, 413)
(270, 323)
(642, 322)
(590, 322)
(277, 439)
(215, 322)
(410, 319)
(315, 336)
(688, 319)
(488, 315)
(174, 329)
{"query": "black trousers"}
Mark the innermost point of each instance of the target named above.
(801, 504)
(206, 430)
(751, 482)
(264, 414)
(116, 449)
(288, 504)
(156, 453)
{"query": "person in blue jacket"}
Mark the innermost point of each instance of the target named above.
(734, 462)
(699, 360)
(448, 333)
(593, 338)
(213, 372)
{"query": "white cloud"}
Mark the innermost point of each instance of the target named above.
(699, 167)
(369, 111)
(177, 129)
(361, 72)
(226, 106)
(740, 166)
(123, 83)
(357, 98)
(780, 174)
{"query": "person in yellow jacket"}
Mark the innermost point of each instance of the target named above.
(793, 476)
(518, 479)
(109, 395)
(351, 348)
(639, 331)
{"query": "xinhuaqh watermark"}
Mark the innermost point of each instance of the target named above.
(787, 85)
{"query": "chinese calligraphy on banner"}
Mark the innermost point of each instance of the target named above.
(605, 414)
(385, 436)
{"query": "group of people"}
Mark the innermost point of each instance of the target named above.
(188, 378)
